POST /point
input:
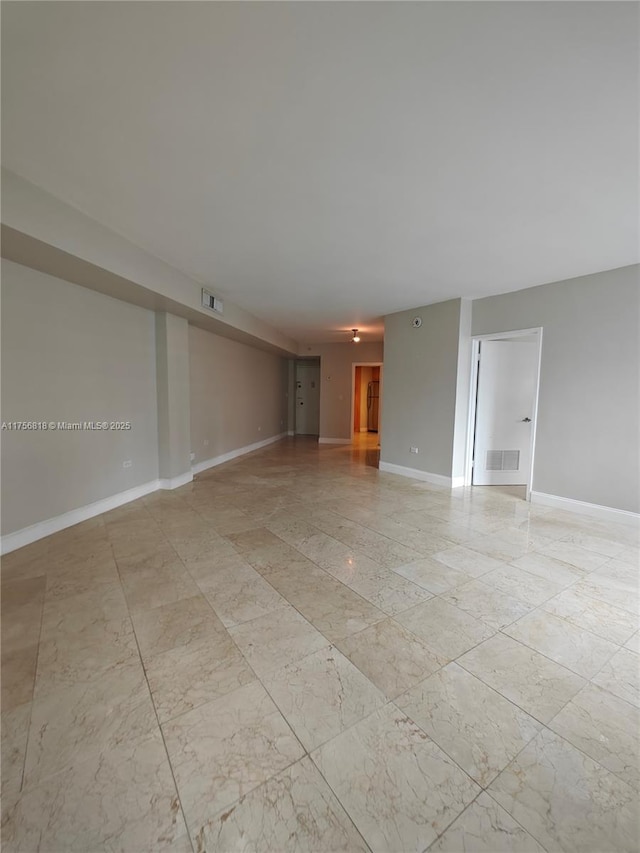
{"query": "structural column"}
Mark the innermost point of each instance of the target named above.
(172, 377)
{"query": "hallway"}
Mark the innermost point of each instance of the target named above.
(299, 652)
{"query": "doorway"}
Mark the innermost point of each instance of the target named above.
(503, 410)
(307, 392)
(366, 399)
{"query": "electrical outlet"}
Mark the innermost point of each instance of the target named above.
(127, 463)
(206, 442)
(192, 456)
(413, 449)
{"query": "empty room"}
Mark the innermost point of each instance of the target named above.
(320, 445)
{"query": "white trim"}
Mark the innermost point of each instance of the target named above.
(323, 440)
(12, 541)
(233, 454)
(473, 390)
(27, 535)
(425, 476)
(290, 432)
(176, 482)
(608, 513)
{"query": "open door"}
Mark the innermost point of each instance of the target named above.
(505, 411)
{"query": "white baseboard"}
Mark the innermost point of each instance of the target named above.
(324, 440)
(233, 454)
(291, 432)
(12, 541)
(425, 476)
(176, 482)
(607, 513)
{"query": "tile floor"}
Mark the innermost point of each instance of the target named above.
(297, 652)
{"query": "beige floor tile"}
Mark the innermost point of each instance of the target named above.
(487, 604)
(18, 593)
(14, 731)
(18, 676)
(151, 588)
(616, 593)
(476, 726)
(206, 567)
(364, 546)
(447, 630)
(253, 540)
(574, 555)
(87, 610)
(187, 676)
(388, 591)
(276, 639)
(608, 547)
(123, 799)
(72, 724)
(432, 575)
(579, 650)
(203, 555)
(239, 594)
(331, 607)
(485, 827)
(533, 682)
(499, 548)
(465, 560)
(528, 587)
(294, 811)
(75, 656)
(179, 623)
(566, 800)
(399, 788)
(223, 750)
(390, 656)
(72, 581)
(606, 728)
(621, 676)
(611, 623)
(549, 567)
(321, 695)
(633, 643)
(20, 627)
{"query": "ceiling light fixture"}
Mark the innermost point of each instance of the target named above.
(356, 337)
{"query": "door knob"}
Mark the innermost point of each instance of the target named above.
(526, 420)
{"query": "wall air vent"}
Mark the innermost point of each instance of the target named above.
(502, 460)
(213, 303)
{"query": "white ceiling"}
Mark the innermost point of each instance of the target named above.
(323, 164)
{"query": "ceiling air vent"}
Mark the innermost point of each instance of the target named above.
(213, 303)
(502, 460)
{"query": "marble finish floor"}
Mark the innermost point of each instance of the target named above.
(298, 652)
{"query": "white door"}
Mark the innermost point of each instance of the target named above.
(307, 398)
(507, 377)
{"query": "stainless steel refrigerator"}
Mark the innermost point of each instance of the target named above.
(373, 404)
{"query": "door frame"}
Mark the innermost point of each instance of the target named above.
(473, 392)
(353, 391)
(316, 361)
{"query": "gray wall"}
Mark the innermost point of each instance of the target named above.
(69, 354)
(420, 377)
(238, 394)
(588, 433)
(336, 370)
